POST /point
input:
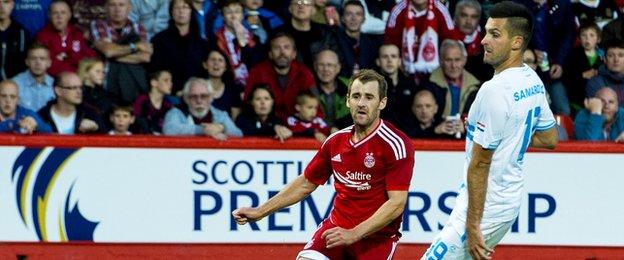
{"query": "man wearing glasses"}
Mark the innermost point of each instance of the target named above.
(196, 115)
(66, 114)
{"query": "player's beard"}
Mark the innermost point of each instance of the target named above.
(368, 119)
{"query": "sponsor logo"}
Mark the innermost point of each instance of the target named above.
(336, 158)
(356, 180)
(46, 207)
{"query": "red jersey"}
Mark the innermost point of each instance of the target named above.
(303, 128)
(73, 45)
(363, 172)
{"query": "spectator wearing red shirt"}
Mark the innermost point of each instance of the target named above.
(65, 41)
(285, 76)
(306, 122)
(408, 27)
(371, 164)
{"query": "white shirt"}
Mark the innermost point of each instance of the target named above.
(64, 125)
(508, 109)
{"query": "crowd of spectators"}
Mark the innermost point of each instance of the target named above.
(231, 68)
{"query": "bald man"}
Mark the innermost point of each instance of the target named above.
(602, 119)
(424, 122)
(330, 90)
(15, 118)
(66, 114)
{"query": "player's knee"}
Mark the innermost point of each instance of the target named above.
(311, 255)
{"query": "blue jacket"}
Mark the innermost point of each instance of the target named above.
(12, 125)
(553, 28)
(589, 127)
(179, 122)
(607, 78)
(270, 21)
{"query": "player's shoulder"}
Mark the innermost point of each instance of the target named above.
(338, 135)
(395, 140)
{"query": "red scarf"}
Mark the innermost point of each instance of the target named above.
(227, 43)
(420, 52)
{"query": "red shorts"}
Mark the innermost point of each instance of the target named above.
(371, 247)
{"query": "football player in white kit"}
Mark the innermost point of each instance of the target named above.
(509, 114)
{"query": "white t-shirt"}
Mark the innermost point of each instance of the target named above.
(508, 109)
(64, 125)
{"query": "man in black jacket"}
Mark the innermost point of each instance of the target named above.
(66, 114)
(14, 41)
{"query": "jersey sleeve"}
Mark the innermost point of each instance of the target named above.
(400, 172)
(491, 113)
(319, 169)
(546, 119)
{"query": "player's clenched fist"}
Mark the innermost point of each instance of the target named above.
(246, 214)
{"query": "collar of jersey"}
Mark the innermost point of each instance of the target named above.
(369, 136)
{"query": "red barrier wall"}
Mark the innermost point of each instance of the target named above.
(47, 251)
(254, 143)
(259, 251)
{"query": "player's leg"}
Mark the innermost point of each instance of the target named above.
(493, 234)
(315, 249)
(448, 244)
(374, 248)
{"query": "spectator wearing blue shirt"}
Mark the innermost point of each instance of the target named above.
(602, 119)
(35, 85)
(553, 37)
(197, 116)
(32, 14)
(205, 12)
(259, 20)
(153, 15)
(15, 118)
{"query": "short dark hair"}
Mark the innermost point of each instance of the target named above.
(614, 43)
(35, 46)
(351, 2)
(368, 75)
(590, 26)
(304, 95)
(280, 34)
(123, 106)
(226, 3)
(155, 75)
(519, 20)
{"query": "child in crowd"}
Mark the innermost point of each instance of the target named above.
(306, 122)
(236, 41)
(121, 118)
(151, 108)
(91, 72)
(261, 21)
(583, 63)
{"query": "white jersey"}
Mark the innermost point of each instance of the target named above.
(508, 109)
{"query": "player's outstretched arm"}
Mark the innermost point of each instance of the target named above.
(477, 178)
(390, 210)
(294, 192)
(546, 139)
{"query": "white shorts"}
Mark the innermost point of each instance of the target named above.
(449, 244)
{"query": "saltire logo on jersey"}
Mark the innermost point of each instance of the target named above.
(369, 160)
(50, 215)
(351, 183)
(481, 126)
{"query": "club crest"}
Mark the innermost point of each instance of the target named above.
(369, 160)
